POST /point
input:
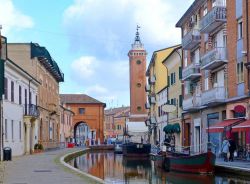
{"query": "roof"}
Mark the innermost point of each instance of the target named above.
(78, 99)
(191, 10)
(162, 54)
(170, 54)
(113, 111)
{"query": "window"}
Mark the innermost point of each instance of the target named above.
(12, 91)
(213, 3)
(138, 85)
(20, 130)
(30, 97)
(139, 108)
(206, 87)
(12, 129)
(138, 62)
(240, 29)
(20, 95)
(180, 73)
(205, 10)
(81, 110)
(6, 88)
(6, 129)
(180, 100)
(240, 74)
(25, 100)
(172, 78)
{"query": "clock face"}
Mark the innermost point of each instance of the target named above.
(138, 62)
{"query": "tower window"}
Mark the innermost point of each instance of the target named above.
(138, 62)
(139, 108)
(138, 85)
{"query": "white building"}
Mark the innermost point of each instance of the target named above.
(162, 118)
(20, 112)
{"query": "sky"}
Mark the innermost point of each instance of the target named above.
(90, 39)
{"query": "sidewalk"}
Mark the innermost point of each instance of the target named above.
(40, 169)
(238, 166)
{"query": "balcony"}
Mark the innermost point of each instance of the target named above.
(214, 96)
(147, 88)
(213, 19)
(193, 103)
(191, 72)
(31, 110)
(214, 58)
(151, 80)
(191, 39)
(147, 106)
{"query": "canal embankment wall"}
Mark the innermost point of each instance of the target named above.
(66, 158)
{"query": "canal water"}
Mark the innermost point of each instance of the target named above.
(116, 169)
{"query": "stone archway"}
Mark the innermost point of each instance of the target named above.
(81, 132)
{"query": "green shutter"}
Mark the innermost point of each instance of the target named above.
(180, 73)
(180, 100)
(168, 81)
(1, 78)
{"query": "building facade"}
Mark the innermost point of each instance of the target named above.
(157, 94)
(20, 112)
(36, 60)
(173, 107)
(216, 90)
(66, 123)
(88, 119)
(115, 121)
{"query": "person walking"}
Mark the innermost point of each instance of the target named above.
(232, 148)
(225, 148)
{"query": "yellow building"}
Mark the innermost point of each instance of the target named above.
(157, 93)
(174, 105)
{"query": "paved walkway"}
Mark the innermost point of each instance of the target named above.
(236, 164)
(40, 169)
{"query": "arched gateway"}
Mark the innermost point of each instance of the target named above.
(81, 132)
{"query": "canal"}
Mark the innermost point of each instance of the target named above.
(114, 168)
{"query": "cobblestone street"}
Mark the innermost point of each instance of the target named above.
(41, 168)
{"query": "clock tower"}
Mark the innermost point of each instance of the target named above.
(137, 70)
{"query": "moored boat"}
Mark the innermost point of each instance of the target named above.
(132, 149)
(202, 163)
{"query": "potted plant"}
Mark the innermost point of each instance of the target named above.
(38, 148)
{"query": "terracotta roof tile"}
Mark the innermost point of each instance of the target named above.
(79, 99)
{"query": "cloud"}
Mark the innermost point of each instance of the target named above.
(11, 18)
(107, 27)
(84, 67)
(96, 89)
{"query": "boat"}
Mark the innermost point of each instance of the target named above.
(132, 149)
(198, 164)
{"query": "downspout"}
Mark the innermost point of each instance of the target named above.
(248, 54)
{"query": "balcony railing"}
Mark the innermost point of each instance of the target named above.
(147, 106)
(191, 72)
(192, 103)
(214, 96)
(191, 39)
(214, 58)
(31, 110)
(215, 18)
(147, 88)
(151, 79)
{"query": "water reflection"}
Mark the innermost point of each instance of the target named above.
(114, 168)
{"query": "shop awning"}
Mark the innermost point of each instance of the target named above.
(220, 126)
(242, 127)
(172, 128)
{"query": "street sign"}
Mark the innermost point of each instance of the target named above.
(169, 108)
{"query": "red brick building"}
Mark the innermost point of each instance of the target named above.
(88, 119)
(137, 69)
(215, 41)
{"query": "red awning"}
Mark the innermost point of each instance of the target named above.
(219, 127)
(242, 127)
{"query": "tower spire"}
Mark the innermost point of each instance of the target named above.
(137, 45)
